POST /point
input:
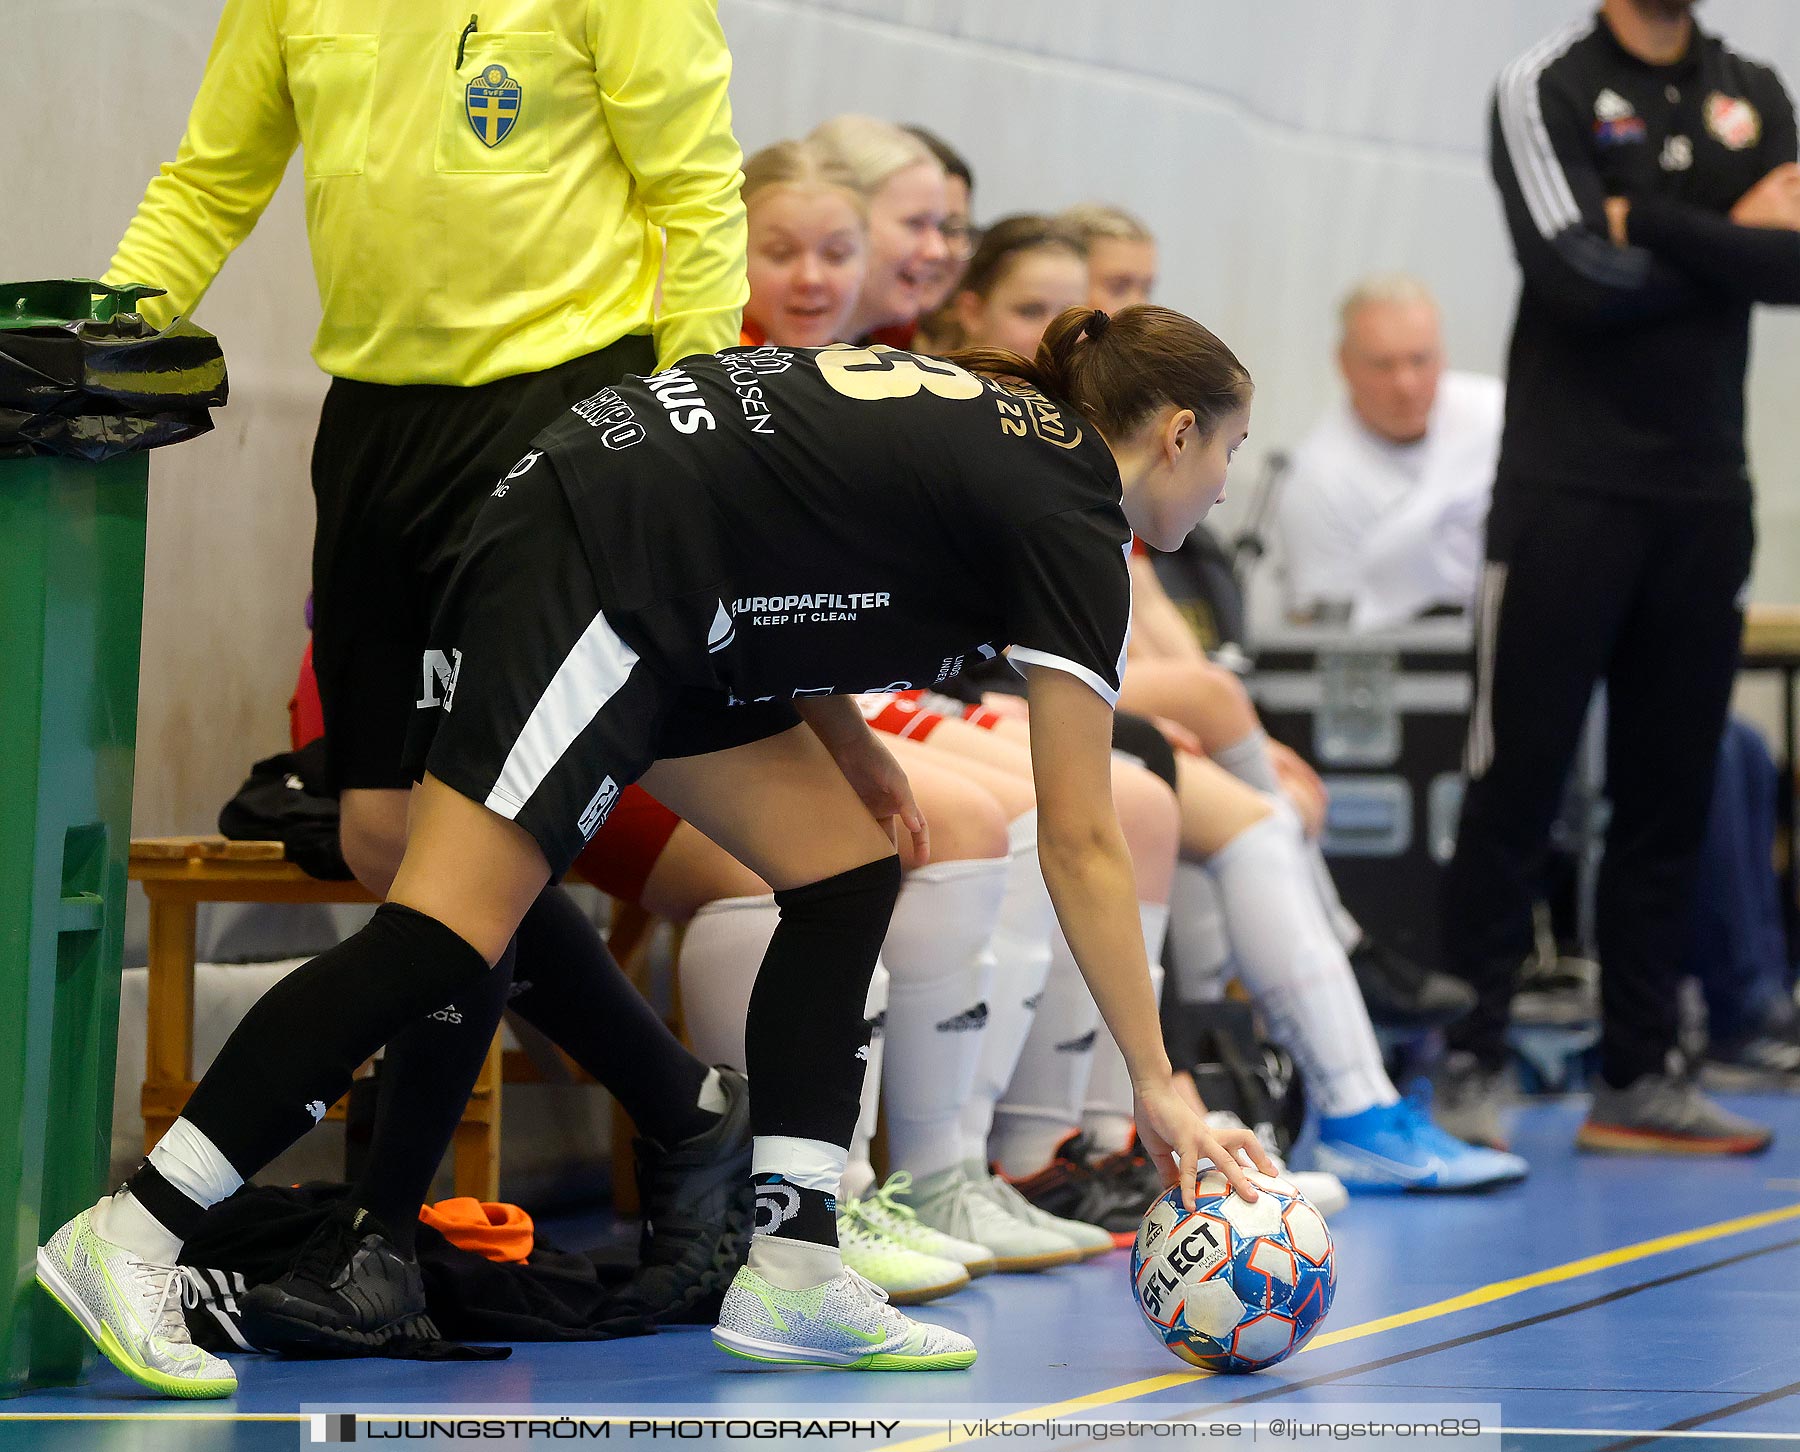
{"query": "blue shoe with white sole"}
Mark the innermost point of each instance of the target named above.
(1397, 1147)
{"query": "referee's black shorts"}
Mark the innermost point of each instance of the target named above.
(532, 702)
(398, 473)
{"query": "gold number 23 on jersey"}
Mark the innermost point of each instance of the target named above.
(884, 372)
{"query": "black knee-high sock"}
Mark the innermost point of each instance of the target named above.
(426, 1078)
(569, 987)
(294, 1052)
(805, 1034)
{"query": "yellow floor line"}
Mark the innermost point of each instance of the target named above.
(1485, 1295)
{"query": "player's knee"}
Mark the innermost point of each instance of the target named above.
(1225, 701)
(1015, 794)
(1149, 812)
(967, 822)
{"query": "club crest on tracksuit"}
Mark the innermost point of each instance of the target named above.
(1733, 121)
(492, 102)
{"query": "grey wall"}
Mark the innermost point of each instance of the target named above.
(1280, 150)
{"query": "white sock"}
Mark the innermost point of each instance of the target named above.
(711, 1097)
(721, 952)
(939, 973)
(1042, 1105)
(1249, 761)
(794, 1265)
(1107, 1113)
(859, 1172)
(1199, 947)
(123, 1220)
(1295, 968)
(192, 1164)
(1021, 947)
(1348, 931)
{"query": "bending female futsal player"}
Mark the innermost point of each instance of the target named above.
(678, 575)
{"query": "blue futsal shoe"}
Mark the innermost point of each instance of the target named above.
(1397, 1147)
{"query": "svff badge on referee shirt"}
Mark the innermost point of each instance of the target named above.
(492, 102)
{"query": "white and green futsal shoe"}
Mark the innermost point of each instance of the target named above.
(131, 1310)
(888, 1212)
(909, 1277)
(845, 1322)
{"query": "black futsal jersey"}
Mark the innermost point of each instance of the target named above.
(680, 557)
(791, 521)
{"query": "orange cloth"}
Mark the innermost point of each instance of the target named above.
(306, 712)
(500, 1232)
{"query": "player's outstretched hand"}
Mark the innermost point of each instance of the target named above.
(1178, 1140)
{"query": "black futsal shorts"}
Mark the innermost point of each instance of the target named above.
(536, 701)
(398, 473)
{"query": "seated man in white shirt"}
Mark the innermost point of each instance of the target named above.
(1381, 516)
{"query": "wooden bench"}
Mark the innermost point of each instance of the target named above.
(180, 873)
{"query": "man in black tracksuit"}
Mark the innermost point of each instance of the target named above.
(1648, 178)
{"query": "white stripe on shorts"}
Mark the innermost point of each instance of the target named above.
(591, 675)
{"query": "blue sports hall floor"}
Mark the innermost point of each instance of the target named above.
(1603, 1304)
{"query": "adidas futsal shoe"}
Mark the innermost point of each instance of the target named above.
(699, 1209)
(1397, 1147)
(888, 1212)
(909, 1277)
(352, 1291)
(131, 1310)
(844, 1322)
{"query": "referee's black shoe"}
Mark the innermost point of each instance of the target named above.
(699, 1209)
(351, 1292)
(1402, 994)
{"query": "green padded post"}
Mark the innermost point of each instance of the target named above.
(71, 612)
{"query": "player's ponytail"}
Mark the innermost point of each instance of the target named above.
(1118, 369)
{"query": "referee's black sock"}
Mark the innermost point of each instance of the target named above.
(568, 986)
(426, 1077)
(295, 1051)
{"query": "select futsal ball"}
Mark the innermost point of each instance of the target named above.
(1234, 1285)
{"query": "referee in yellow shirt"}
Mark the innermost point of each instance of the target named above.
(491, 199)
